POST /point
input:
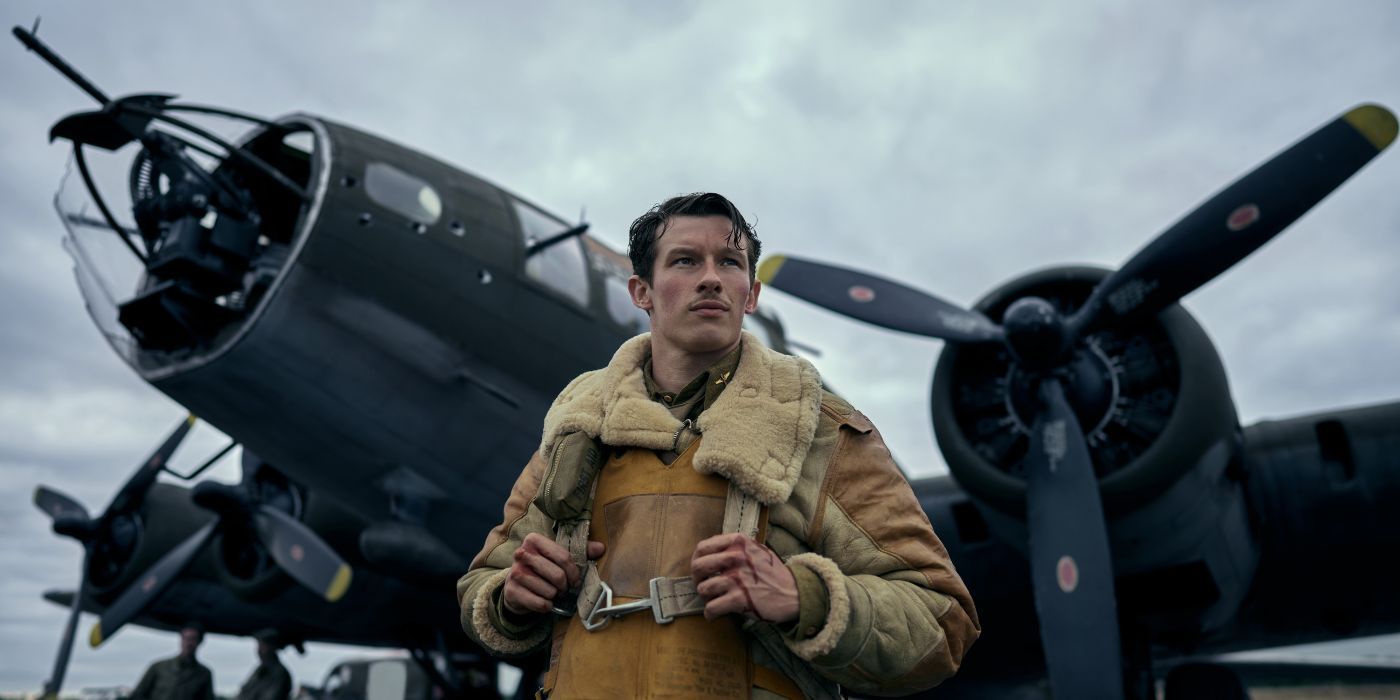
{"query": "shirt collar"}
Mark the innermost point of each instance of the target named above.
(703, 389)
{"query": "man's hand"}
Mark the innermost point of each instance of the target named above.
(540, 573)
(735, 574)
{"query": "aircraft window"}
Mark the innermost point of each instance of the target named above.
(387, 681)
(402, 193)
(621, 308)
(300, 140)
(561, 267)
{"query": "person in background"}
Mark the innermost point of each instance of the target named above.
(270, 680)
(181, 677)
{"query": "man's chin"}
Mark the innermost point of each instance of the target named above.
(708, 343)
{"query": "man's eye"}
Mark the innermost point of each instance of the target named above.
(682, 261)
(730, 261)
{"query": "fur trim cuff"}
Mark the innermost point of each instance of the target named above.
(483, 608)
(839, 607)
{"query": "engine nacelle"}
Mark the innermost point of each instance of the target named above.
(1161, 429)
(135, 541)
(242, 562)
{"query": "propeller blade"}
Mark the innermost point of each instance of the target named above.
(134, 491)
(1071, 568)
(57, 504)
(65, 647)
(1239, 219)
(149, 586)
(876, 300)
(302, 554)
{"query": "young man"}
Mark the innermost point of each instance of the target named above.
(180, 677)
(711, 482)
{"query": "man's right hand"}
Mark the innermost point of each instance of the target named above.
(540, 573)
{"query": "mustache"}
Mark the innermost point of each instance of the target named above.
(709, 299)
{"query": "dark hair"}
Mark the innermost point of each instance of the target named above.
(641, 238)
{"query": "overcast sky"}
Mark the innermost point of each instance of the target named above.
(950, 146)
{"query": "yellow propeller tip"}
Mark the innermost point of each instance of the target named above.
(95, 638)
(339, 584)
(191, 419)
(768, 269)
(1374, 122)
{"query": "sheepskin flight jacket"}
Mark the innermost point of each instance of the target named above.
(899, 618)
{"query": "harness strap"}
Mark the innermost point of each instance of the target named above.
(673, 597)
(670, 597)
(573, 536)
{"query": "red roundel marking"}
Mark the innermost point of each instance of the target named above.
(1067, 574)
(1243, 217)
(861, 294)
(298, 553)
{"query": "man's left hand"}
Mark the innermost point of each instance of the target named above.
(735, 574)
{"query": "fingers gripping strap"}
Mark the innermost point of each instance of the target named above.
(670, 597)
(573, 536)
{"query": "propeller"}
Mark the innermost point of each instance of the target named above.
(71, 519)
(1071, 564)
(1239, 219)
(876, 300)
(297, 549)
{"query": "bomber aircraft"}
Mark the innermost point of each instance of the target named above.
(381, 332)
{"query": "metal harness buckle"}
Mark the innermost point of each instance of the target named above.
(604, 611)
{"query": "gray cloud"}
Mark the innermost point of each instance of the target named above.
(947, 147)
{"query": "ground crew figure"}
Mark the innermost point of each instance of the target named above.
(702, 519)
(180, 677)
(270, 680)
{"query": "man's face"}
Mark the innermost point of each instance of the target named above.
(699, 290)
(189, 641)
(265, 651)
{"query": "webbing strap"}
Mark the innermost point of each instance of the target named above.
(741, 512)
(813, 686)
(573, 536)
(674, 596)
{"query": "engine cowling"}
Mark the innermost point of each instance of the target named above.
(1153, 400)
(134, 541)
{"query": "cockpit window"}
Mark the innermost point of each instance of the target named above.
(402, 193)
(562, 266)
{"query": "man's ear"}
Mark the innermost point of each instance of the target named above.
(640, 292)
(752, 304)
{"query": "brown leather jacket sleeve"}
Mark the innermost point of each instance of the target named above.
(901, 617)
(477, 590)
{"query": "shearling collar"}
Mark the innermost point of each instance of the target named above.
(756, 434)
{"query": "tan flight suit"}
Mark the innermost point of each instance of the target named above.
(270, 681)
(176, 678)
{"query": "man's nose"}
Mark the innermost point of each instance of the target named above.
(710, 279)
